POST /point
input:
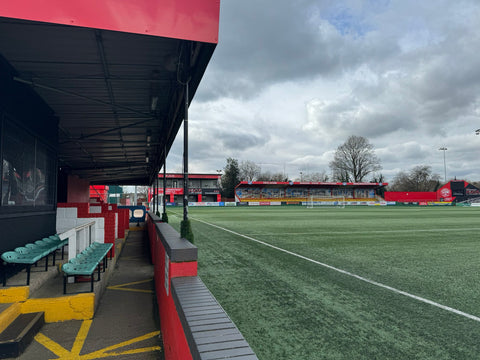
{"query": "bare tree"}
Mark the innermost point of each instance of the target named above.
(315, 177)
(354, 160)
(268, 176)
(420, 178)
(249, 171)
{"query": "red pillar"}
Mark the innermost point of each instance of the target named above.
(219, 197)
(199, 198)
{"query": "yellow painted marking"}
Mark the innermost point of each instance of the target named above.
(75, 307)
(81, 336)
(51, 345)
(128, 352)
(74, 354)
(103, 352)
(14, 294)
(133, 283)
(131, 289)
(140, 228)
(125, 287)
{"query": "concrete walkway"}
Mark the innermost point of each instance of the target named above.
(125, 325)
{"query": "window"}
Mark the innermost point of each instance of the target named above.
(45, 173)
(28, 169)
(194, 184)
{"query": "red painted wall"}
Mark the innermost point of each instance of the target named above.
(78, 190)
(410, 196)
(181, 19)
(83, 211)
(174, 341)
(123, 222)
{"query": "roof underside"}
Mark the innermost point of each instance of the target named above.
(111, 91)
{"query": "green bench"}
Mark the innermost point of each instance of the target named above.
(85, 263)
(31, 253)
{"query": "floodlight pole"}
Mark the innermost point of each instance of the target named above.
(443, 148)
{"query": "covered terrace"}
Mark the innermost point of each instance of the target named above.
(93, 92)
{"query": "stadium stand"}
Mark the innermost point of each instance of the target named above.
(295, 192)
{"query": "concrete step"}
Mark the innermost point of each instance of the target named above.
(19, 334)
(8, 313)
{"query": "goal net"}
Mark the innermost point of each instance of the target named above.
(316, 201)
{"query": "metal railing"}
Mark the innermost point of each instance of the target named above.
(79, 238)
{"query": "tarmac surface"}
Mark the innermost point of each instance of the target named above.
(125, 325)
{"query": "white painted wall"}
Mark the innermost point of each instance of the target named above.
(95, 209)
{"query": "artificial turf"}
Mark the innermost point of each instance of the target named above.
(290, 308)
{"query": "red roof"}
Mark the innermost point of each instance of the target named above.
(310, 183)
(180, 19)
(191, 176)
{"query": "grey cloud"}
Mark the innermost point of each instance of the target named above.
(273, 41)
(411, 151)
(404, 74)
(349, 115)
(241, 141)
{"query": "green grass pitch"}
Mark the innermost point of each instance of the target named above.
(291, 308)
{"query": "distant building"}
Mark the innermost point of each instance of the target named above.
(201, 188)
(99, 192)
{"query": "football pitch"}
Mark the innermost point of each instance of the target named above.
(353, 283)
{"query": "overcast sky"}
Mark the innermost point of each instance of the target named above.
(290, 80)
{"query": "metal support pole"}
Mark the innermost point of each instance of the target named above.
(165, 179)
(153, 198)
(185, 157)
(155, 208)
(156, 191)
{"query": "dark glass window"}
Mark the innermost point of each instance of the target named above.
(18, 167)
(44, 176)
(28, 169)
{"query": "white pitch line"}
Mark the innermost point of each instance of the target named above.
(397, 291)
(399, 231)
